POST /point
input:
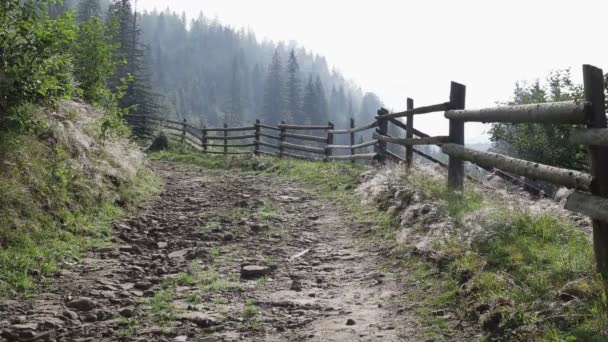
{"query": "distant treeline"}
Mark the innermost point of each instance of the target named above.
(211, 73)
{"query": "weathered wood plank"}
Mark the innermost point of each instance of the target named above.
(593, 80)
(409, 134)
(439, 140)
(420, 110)
(262, 143)
(231, 145)
(355, 129)
(566, 112)
(236, 137)
(555, 175)
(304, 127)
(231, 129)
(305, 137)
(591, 136)
(353, 147)
(302, 148)
(456, 165)
(269, 127)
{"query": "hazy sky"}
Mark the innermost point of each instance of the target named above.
(414, 48)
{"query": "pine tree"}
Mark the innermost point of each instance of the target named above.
(273, 98)
(309, 105)
(133, 71)
(88, 9)
(293, 89)
(321, 102)
(235, 107)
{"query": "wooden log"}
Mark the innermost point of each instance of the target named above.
(591, 136)
(184, 131)
(269, 136)
(231, 129)
(455, 164)
(269, 127)
(353, 147)
(595, 207)
(382, 129)
(409, 134)
(231, 145)
(257, 138)
(439, 140)
(421, 110)
(235, 137)
(303, 127)
(305, 137)
(228, 153)
(302, 148)
(204, 138)
(566, 112)
(352, 137)
(365, 156)
(265, 144)
(555, 175)
(282, 139)
(330, 140)
(225, 138)
(355, 129)
(593, 81)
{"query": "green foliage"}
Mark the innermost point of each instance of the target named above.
(33, 65)
(547, 144)
(94, 61)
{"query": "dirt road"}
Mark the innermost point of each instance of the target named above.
(221, 256)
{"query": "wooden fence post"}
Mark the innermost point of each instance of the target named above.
(225, 140)
(184, 132)
(409, 134)
(380, 147)
(330, 141)
(352, 138)
(456, 165)
(281, 139)
(256, 150)
(593, 79)
(204, 139)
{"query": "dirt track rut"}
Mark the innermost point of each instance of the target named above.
(221, 256)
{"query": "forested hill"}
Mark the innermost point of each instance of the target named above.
(211, 72)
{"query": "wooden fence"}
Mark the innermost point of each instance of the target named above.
(591, 190)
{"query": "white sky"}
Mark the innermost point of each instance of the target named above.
(414, 48)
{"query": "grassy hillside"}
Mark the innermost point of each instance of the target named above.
(61, 186)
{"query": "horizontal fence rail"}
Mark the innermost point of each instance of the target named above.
(567, 112)
(442, 107)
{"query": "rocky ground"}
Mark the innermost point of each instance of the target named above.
(221, 256)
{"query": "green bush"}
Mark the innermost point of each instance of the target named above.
(33, 64)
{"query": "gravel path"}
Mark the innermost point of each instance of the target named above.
(220, 256)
